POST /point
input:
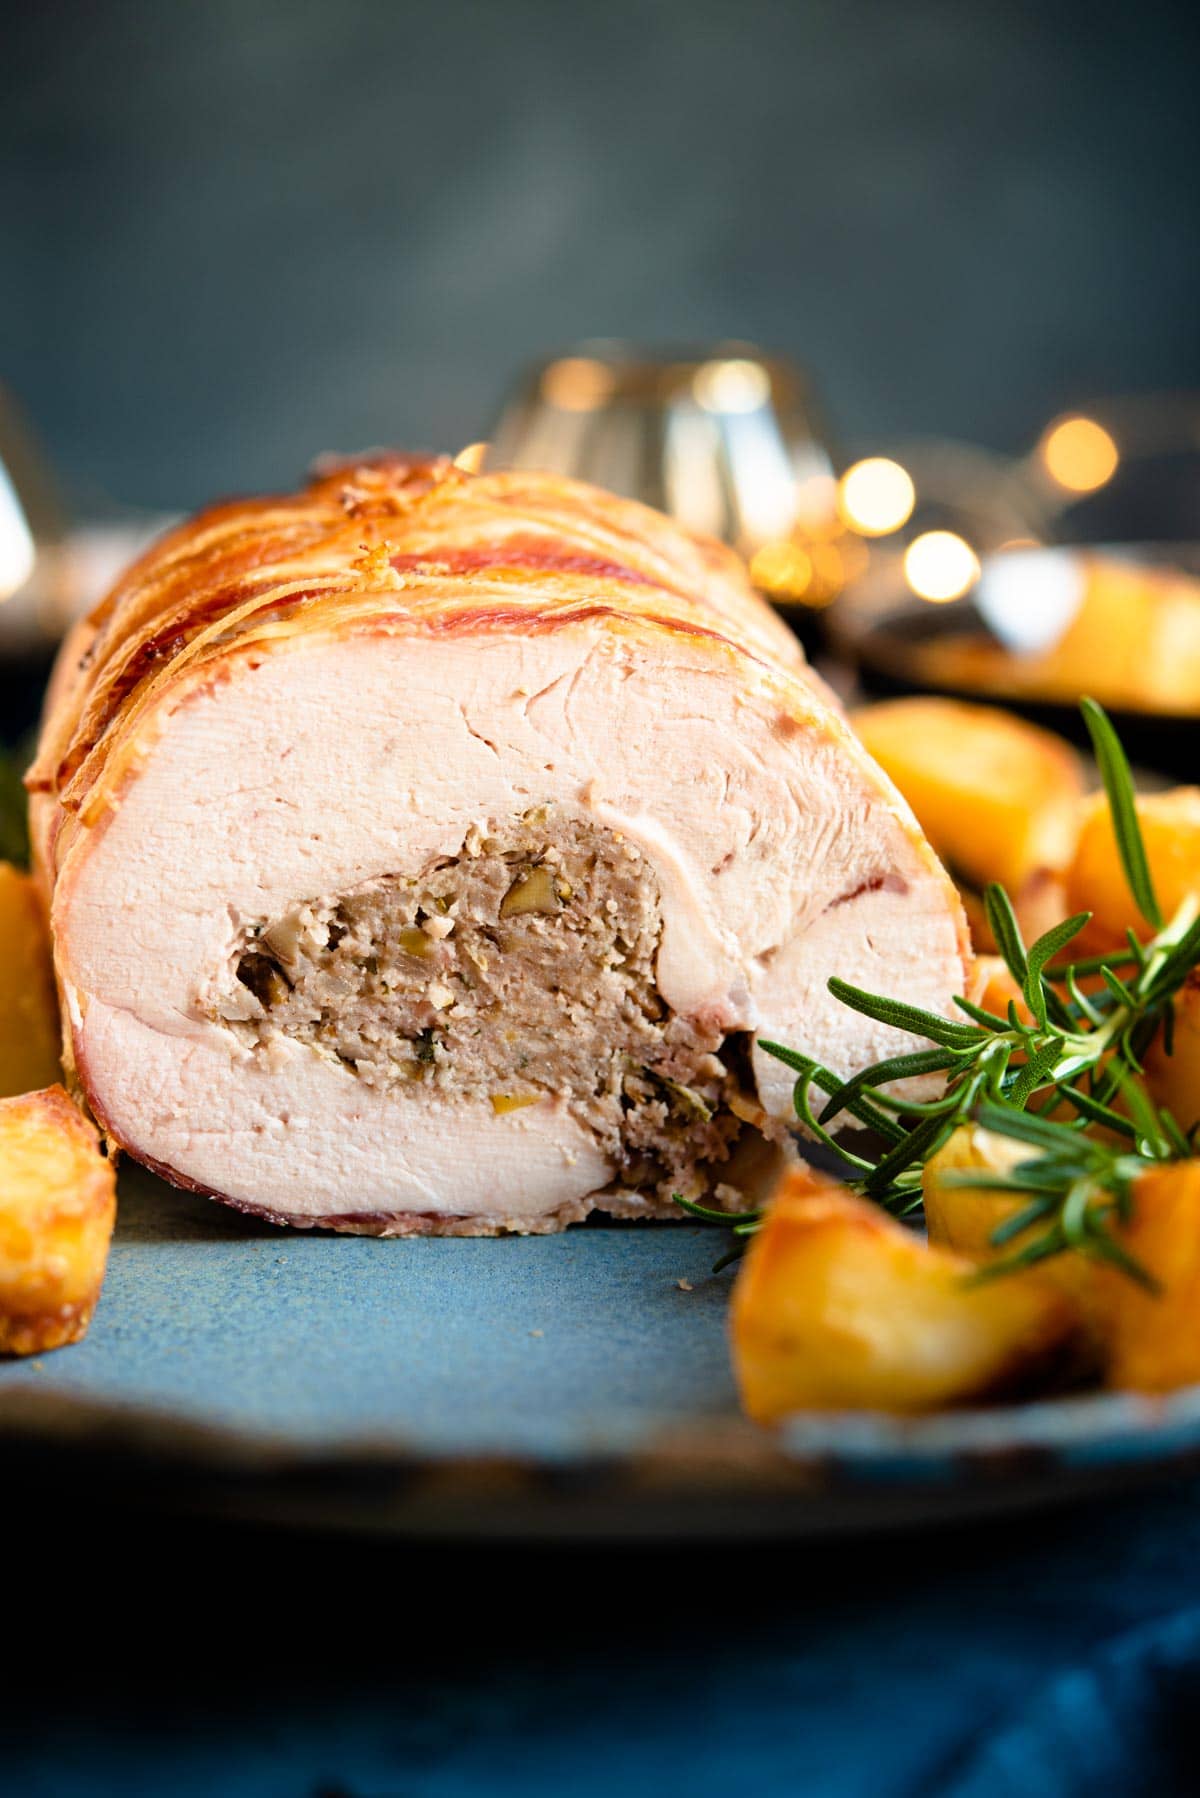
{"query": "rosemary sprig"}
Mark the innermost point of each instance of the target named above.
(1079, 1052)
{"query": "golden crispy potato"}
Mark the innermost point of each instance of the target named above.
(1153, 1339)
(1096, 881)
(838, 1306)
(1174, 1080)
(57, 1206)
(997, 797)
(964, 1218)
(1134, 642)
(1146, 1341)
(29, 1029)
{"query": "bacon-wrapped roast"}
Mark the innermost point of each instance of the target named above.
(427, 850)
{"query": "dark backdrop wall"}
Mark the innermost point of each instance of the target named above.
(239, 231)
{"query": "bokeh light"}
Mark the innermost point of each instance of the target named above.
(577, 384)
(876, 496)
(1079, 454)
(940, 566)
(736, 385)
(809, 574)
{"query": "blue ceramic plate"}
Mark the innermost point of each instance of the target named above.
(575, 1384)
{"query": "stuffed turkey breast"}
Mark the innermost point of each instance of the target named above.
(426, 851)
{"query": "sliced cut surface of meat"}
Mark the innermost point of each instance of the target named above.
(518, 971)
(430, 851)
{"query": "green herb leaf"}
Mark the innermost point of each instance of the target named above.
(1028, 1126)
(1122, 804)
(901, 1016)
(922, 1141)
(1096, 1113)
(1038, 996)
(1178, 963)
(1002, 920)
(987, 1020)
(707, 1214)
(1035, 1073)
(899, 1067)
(1023, 1220)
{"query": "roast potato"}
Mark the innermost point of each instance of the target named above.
(29, 1029)
(57, 1207)
(1096, 881)
(1146, 1340)
(1174, 1080)
(1153, 1339)
(964, 1218)
(1133, 643)
(839, 1307)
(997, 797)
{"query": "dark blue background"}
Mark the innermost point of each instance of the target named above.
(235, 232)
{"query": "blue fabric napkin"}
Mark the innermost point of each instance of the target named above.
(1040, 1655)
(1122, 1722)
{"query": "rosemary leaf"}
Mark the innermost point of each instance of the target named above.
(1096, 1113)
(811, 1073)
(1177, 965)
(902, 1016)
(922, 1141)
(1002, 920)
(1028, 1127)
(706, 1213)
(1035, 1073)
(987, 1020)
(804, 1111)
(1038, 996)
(1023, 1220)
(1102, 1244)
(729, 1257)
(791, 1058)
(899, 1067)
(1117, 987)
(1122, 804)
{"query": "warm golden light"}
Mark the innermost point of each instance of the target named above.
(733, 386)
(828, 576)
(1079, 454)
(471, 459)
(810, 574)
(939, 565)
(577, 384)
(783, 570)
(876, 496)
(1016, 543)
